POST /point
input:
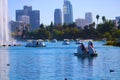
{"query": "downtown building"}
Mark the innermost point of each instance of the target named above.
(117, 20)
(88, 18)
(81, 23)
(57, 17)
(67, 12)
(29, 16)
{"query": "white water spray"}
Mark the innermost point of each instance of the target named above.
(4, 29)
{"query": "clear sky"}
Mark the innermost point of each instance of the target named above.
(108, 8)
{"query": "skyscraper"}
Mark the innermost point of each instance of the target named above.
(68, 12)
(80, 23)
(117, 18)
(35, 19)
(57, 17)
(34, 16)
(88, 18)
(25, 19)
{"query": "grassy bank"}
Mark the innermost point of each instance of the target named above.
(113, 43)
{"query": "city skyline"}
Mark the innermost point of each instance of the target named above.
(111, 10)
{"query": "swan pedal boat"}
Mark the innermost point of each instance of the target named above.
(35, 43)
(85, 55)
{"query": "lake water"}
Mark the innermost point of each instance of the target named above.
(57, 62)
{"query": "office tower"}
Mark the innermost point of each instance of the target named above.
(35, 19)
(68, 12)
(80, 23)
(25, 11)
(88, 18)
(34, 16)
(117, 18)
(25, 19)
(57, 17)
(16, 26)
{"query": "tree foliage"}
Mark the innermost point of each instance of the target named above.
(71, 31)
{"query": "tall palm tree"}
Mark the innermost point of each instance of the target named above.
(103, 19)
(97, 17)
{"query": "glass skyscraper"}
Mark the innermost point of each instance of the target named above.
(57, 17)
(68, 12)
(34, 16)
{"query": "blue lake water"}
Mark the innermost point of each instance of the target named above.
(57, 62)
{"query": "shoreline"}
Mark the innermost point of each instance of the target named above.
(113, 43)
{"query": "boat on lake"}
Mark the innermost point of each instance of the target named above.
(78, 41)
(54, 40)
(35, 43)
(66, 42)
(82, 51)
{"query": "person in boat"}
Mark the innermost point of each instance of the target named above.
(34, 43)
(81, 49)
(91, 49)
(37, 43)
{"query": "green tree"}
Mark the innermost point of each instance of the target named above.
(42, 26)
(116, 34)
(108, 26)
(97, 17)
(107, 35)
(92, 26)
(103, 19)
(58, 34)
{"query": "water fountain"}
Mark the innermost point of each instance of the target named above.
(4, 29)
(5, 35)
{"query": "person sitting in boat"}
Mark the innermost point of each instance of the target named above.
(81, 49)
(91, 49)
(34, 43)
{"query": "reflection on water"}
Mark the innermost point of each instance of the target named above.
(68, 67)
(86, 60)
(4, 67)
(25, 67)
(86, 65)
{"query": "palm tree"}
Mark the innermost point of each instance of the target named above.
(97, 17)
(103, 19)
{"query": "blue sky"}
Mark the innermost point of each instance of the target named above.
(108, 8)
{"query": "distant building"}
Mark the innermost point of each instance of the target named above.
(34, 16)
(88, 18)
(117, 18)
(81, 23)
(13, 26)
(25, 19)
(16, 26)
(19, 26)
(115, 23)
(35, 19)
(67, 12)
(57, 17)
